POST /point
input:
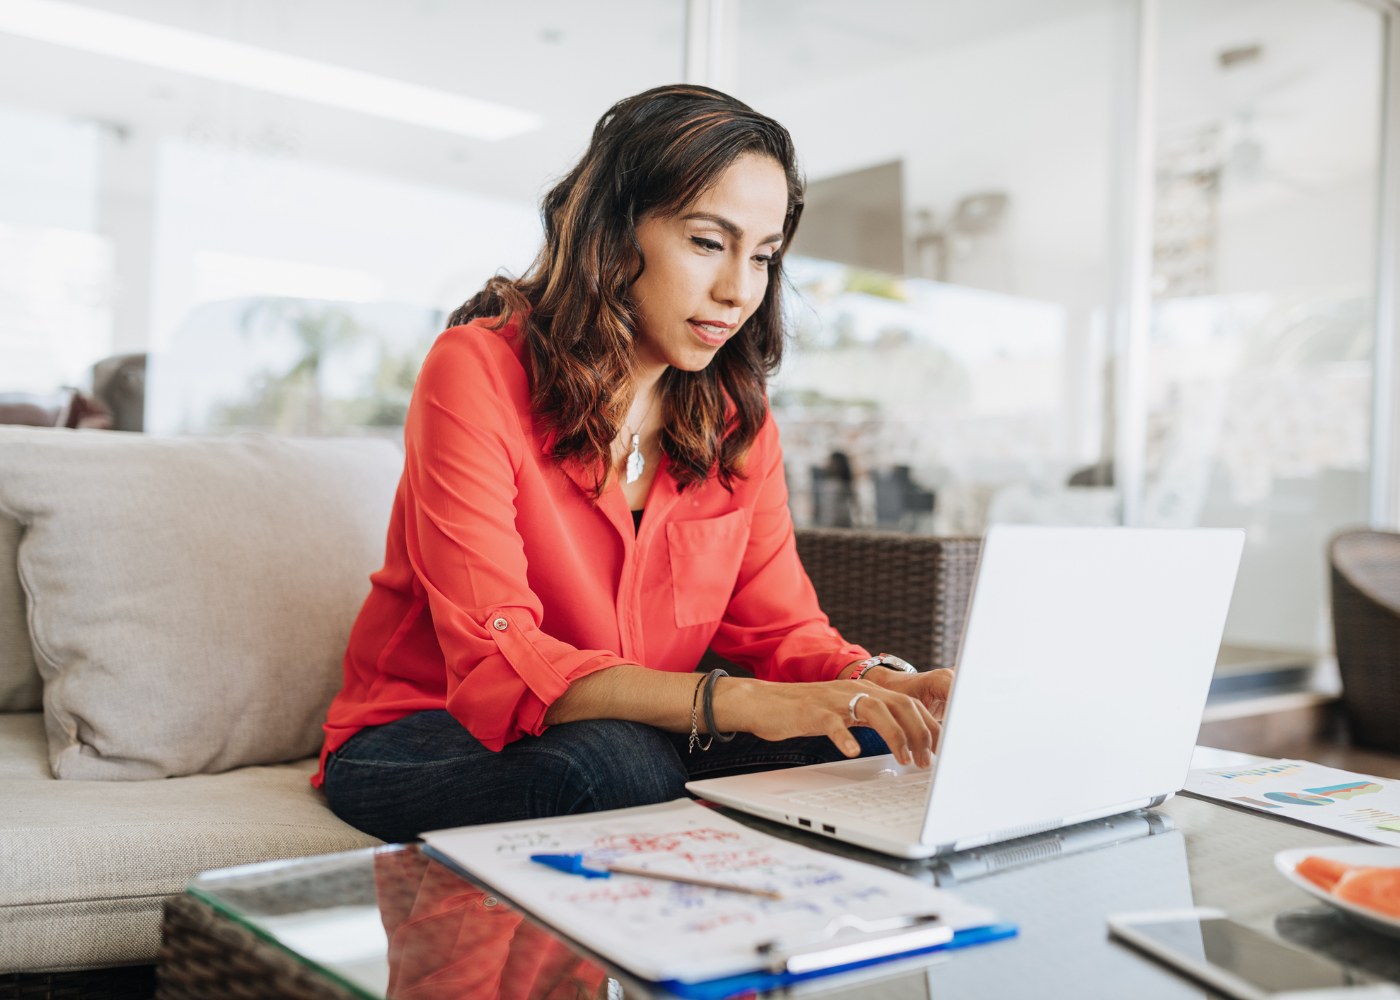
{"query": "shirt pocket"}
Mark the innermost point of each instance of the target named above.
(705, 559)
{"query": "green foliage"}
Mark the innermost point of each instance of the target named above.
(292, 399)
(876, 283)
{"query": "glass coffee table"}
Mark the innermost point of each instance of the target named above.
(394, 924)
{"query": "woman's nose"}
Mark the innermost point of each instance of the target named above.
(735, 283)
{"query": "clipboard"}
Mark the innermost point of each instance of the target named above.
(837, 914)
(890, 949)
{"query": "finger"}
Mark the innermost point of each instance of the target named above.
(931, 728)
(925, 713)
(841, 736)
(877, 715)
(934, 690)
(918, 724)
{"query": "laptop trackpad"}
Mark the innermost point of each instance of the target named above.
(837, 773)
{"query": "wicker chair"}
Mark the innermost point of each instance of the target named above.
(1366, 622)
(903, 594)
(890, 592)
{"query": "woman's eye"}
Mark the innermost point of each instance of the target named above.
(767, 259)
(707, 244)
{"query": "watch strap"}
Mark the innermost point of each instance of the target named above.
(887, 660)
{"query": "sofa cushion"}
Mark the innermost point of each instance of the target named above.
(20, 687)
(88, 863)
(190, 598)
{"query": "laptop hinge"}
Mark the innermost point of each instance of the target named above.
(1030, 829)
(1157, 801)
(997, 836)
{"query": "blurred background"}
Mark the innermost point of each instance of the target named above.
(1064, 261)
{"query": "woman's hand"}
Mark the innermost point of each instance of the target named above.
(903, 708)
(930, 687)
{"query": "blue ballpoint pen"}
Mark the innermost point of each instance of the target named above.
(572, 864)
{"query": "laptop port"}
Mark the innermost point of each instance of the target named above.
(828, 828)
(804, 822)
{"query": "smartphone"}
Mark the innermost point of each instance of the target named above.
(1241, 962)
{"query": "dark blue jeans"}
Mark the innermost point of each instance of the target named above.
(426, 772)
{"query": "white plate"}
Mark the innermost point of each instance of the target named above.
(1378, 857)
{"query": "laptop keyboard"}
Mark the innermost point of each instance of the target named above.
(901, 801)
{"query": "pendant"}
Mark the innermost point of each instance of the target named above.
(635, 462)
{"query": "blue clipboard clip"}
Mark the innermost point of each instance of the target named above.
(850, 939)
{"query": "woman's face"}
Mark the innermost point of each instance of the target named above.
(707, 266)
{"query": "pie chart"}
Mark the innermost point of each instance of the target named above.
(1299, 798)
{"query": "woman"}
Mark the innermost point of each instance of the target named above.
(592, 495)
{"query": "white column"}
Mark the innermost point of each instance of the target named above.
(1384, 500)
(1133, 295)
(711, 40)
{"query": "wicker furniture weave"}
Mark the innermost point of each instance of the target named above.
(134, 982)
(890, 592)
(1366, 620)
(896, 593)
(204, 954)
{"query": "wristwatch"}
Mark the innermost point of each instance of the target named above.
(887, 660)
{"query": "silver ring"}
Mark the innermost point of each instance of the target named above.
(855, 701)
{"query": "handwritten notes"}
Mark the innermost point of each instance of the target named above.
(667, 930)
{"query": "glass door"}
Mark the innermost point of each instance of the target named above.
(1260, 350)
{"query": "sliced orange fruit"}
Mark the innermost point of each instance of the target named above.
(1374, 888)
(1322, 872)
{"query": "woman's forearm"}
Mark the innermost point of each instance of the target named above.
(656, 697)
(665, 700)
(897, 707)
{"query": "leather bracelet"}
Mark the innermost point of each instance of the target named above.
(708, 702)
(695, 720)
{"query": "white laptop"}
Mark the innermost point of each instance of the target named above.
(1081, 680)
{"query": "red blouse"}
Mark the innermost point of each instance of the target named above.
(504, 580)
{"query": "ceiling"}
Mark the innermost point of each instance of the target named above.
(561, 59)
(567, 61)
(549, 56)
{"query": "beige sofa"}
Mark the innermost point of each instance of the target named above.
(172, 615)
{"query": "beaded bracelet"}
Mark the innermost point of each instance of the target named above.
(709, 706)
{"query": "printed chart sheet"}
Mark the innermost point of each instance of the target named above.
(1354, 804)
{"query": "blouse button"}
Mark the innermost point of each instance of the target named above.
(500, 624)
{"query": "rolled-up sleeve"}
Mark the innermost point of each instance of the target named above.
(773, 624)
(463, 448)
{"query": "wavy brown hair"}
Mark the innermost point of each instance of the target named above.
(652, 153)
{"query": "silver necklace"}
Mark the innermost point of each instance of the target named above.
(636, 464)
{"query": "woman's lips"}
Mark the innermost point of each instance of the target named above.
(713, 334)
